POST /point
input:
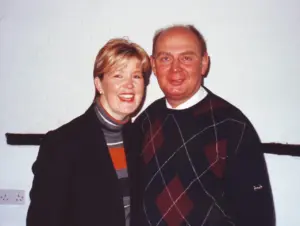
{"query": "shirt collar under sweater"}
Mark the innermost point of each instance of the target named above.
(196, 98)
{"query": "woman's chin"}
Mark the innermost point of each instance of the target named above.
(128, 110)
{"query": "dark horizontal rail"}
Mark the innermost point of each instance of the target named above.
(24, 138)
(281, 149)
(36, 139)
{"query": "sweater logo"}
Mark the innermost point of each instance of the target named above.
(258, 187)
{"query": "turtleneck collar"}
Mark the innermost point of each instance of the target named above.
(107, 120)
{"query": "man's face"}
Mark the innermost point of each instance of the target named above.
(179, 65)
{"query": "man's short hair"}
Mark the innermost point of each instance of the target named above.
(189, 27)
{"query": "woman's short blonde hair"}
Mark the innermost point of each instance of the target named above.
(117, 50)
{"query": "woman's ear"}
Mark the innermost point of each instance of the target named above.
(98, 85)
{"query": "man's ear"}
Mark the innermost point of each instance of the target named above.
(205, 62)
(152, 60)
(98, 85)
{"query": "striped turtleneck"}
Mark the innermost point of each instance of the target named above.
(112, 130)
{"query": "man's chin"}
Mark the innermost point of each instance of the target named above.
(175, 95)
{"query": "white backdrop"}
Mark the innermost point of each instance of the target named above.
(47, 50)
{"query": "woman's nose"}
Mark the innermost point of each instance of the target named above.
(129, 84)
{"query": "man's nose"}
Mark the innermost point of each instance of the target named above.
(176, 65)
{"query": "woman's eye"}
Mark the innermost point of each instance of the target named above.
(138, 76)
(117, 76)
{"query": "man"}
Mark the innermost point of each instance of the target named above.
(201, 161)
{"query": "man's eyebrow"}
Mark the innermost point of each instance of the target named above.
(188, 53)
(163, 53)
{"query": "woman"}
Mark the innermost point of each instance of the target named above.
(80, 175)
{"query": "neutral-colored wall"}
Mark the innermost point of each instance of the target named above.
(47, 49)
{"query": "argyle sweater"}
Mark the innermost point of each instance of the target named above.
(201, 166)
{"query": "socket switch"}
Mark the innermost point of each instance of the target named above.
(12, 197)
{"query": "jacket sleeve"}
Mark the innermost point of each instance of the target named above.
(248, 185)
(136, 209)
(49, 190)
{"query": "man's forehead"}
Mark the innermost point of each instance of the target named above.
(176, 32)
(177, 47)
(177, 39)
(173, 30)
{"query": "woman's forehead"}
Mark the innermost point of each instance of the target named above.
(124, 63)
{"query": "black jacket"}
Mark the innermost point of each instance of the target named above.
(75, 183)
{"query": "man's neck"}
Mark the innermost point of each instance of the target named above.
(198, 96)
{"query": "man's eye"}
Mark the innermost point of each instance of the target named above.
(187, 58)
(165, 58)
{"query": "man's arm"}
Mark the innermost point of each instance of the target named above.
(49, 190)
(247, 183)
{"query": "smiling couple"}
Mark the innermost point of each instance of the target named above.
(191, 158)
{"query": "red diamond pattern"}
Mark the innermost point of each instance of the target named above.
(210, 150)
(164, 202)
(157, 141)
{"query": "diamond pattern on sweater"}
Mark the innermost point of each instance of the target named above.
(152, 142)
(174, 213)
(207, 106)
(217, 158)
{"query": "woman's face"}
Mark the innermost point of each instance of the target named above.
(122, 88)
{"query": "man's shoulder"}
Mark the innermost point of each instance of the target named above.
(157, 104)
(220, 105)
(152, 109)
(225, 111)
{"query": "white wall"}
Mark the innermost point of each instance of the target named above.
(47, 49)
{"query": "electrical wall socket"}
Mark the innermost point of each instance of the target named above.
(12, 197)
